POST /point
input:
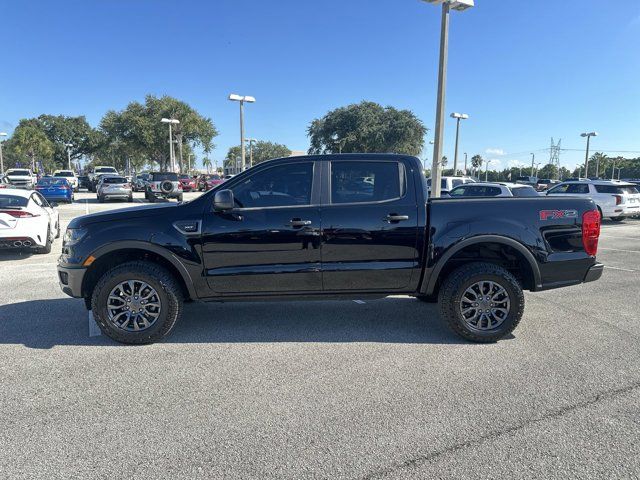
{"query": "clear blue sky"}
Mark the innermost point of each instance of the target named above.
(524, 71)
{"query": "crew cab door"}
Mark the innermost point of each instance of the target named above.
(370, 225)
(270, 243)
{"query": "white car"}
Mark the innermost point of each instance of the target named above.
(71, 177)
(615, 200)
(27, 220)
(493, 189)
(21, 177)
(448, 183)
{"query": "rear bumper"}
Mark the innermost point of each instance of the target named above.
(70, 280)
(594, 273)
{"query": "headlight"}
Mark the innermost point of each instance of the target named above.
(73, 235)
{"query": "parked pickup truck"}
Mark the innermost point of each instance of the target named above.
(348, 226)
(21, 178)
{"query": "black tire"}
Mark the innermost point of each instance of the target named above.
(600, 212)
(160, 279)
(47, 245)
(58, 230)
(151, 198)
(454, 287)
(179, 197)
(617, 219)
(100, 199)
(130, 199)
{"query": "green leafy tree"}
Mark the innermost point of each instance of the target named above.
(476, 162)
(63, 130)
(262, 150)
(367, 127)
(548, 171)
(30, 145)
(137, 133)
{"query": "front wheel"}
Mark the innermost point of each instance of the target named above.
(137, 302)
(481, 302)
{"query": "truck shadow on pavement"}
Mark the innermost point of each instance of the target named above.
(43, 324)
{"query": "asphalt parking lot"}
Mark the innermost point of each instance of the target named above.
(379, 389)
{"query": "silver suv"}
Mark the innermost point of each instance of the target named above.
(163, 185)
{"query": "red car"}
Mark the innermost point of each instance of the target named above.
(207, 182)
(188, 183)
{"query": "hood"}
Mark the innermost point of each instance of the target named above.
(122, 214)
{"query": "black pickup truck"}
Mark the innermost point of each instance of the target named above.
(333, 226)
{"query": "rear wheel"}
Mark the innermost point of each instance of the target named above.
(100, 199)
(617, 219)
(481, 302)
(48, 242)
(137, 302)
(179, 197)
(130, 199)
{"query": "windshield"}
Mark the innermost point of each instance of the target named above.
(184, 177)
(19, 172)
(63, 174)
(106, 170)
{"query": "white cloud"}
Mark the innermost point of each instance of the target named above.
(495, 164)
(494, 151)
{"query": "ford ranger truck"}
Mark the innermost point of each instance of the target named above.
(350, 226)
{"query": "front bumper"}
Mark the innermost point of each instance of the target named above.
(70, 280)
(594, 273)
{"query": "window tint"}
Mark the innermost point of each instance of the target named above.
(456, 181)
(578, 188)
(470, 190)
(281, 186)
(12, 201)
(20, 173)
(44, 182)
(36, 199)
(63, 174)
(357, 182)
(106, 170)
(524, 192)
(114, 180)
(615, 189)
(560, 188)
(158, 177)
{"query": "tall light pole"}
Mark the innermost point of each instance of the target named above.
(465, 163)
(172, 160)
(586, 154)
(533, 159)
(251, 142)
(68, 145)
(458, 117)
(486, 170)
(2, 134)
(240, 98)
(447, 5)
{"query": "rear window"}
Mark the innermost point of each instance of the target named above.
(114, 180)
(51, 181)
(12, 201)
(18, 172)
(524, 192)
(616, 189)
(63, 174)
(184, 177)
(158, 177)
(106, 170)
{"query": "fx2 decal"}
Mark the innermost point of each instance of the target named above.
(555, 214)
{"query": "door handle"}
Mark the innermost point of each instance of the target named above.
(296, 222)
(392, 218)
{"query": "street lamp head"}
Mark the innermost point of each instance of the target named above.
(590, 134)
(68, 145)
(462, 116)
(170, 120)
(240, 98)
(3, 134)
(459, 5)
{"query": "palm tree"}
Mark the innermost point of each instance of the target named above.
(206, 163)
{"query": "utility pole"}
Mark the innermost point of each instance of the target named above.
(586, 154)
(189, 164)
(241, 99)
(179, 140)
(68, 145)
(458, 117)
(2, 134)
(465, 163)
(533, 159)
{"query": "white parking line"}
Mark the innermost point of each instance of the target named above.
(94, 329)
(615, 237)
(618, 268)
(86, 204)
(619, 250)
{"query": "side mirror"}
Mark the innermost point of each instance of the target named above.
(223, 200)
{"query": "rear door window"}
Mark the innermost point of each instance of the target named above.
(578, 188)
(362, 182)
(524, 192)
(616, 189)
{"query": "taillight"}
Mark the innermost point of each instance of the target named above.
(590, 231)
(19, 213)
(618, 199)
(179, 186)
